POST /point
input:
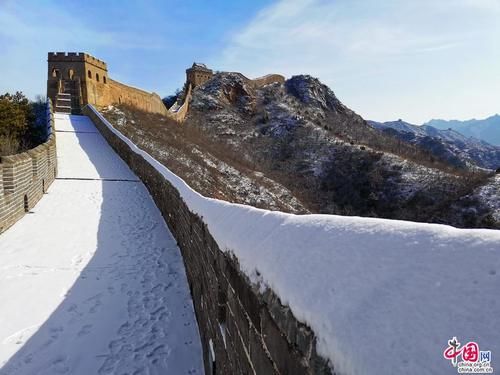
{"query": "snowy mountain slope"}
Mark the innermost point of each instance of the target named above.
(447, 144)
(92, 281)
(487, 129)
(295, 147)
(299, 134)
(209, 168)
(383, 296)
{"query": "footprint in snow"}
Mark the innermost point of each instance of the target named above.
(85, 330)
(59, 365)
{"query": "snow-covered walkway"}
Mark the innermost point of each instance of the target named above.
(91, 281)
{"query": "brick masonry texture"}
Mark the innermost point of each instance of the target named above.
(250, 332)
(25, 177)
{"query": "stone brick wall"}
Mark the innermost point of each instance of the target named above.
(120, 93)
(24, 178)
(243, 331)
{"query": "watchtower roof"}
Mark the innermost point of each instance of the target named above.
(200, 67)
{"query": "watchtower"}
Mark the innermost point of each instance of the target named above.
(74, 80)
(198, 74)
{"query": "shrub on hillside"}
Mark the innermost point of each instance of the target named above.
(22, 123)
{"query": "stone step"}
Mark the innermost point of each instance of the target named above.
(63, 109)
(68, 101)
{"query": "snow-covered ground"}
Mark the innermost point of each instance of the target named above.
(92, 281)
(383, 296)
(490, 195)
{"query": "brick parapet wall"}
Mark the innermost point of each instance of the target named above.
(120, 93)
(247, 331)
(25, 177)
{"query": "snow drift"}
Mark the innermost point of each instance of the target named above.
(382, 296)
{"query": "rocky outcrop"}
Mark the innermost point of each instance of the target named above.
(303, 136)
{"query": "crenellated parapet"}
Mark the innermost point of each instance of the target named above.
(76, 57)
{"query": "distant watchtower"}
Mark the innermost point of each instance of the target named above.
(198, 74)
(75, 79)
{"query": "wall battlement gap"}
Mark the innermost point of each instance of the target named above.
(76, 57)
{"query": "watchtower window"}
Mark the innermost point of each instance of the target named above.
(104, 79)
(89, 74)
(55, 73)
(97, 77)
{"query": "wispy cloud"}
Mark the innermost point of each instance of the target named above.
(48, 25)
(346, 41)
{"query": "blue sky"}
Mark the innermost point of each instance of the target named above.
(385, 59)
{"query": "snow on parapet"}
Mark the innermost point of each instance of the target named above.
(382, 296)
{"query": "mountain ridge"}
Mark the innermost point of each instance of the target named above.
(487, 129)
(294, 146)
(448, 144)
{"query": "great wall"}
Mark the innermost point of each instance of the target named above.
(242, 330)
(244, 327)
(76, 79)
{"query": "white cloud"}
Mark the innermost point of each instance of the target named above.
(29, 32)
(362, 47)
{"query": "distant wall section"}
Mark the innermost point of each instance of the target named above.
(179, 113)
(267, 79)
